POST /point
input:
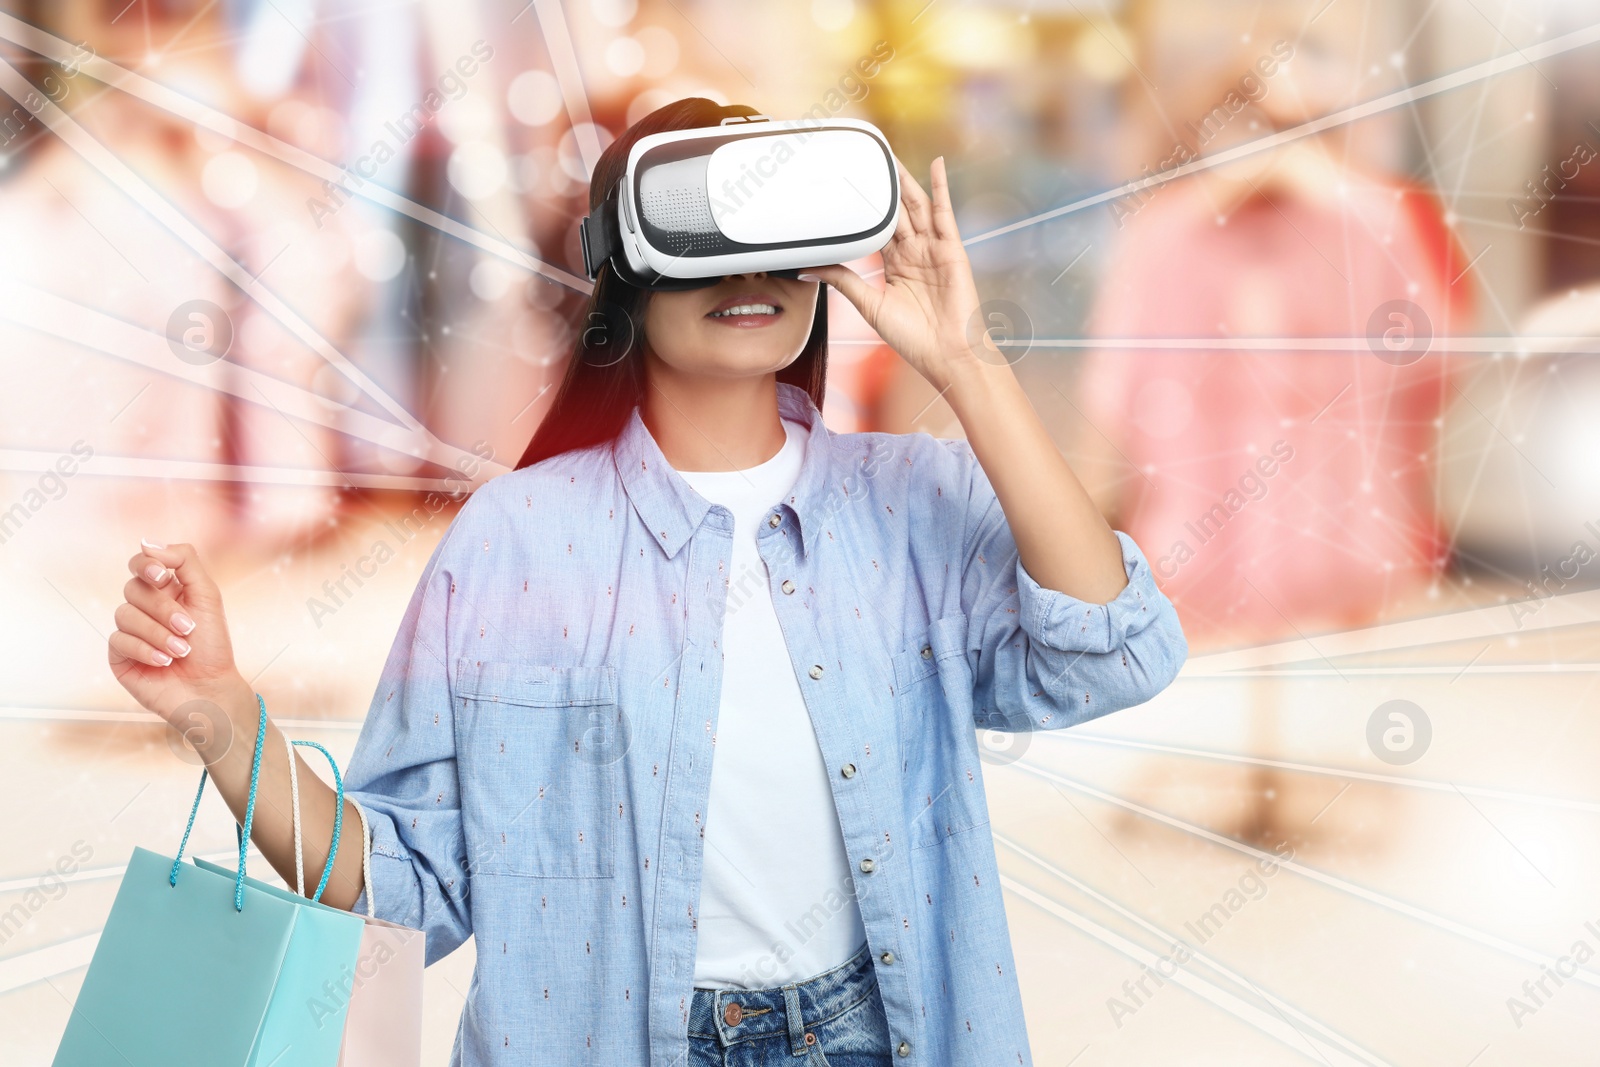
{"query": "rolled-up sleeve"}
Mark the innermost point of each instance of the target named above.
(403, 774)
(1046, 660)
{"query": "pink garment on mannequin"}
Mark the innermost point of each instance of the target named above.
(1345, 525)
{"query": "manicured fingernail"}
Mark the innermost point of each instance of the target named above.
(808, 277)
(182, 623)
(146, 542)
(156, 573)
(161, 658)
(179, 646)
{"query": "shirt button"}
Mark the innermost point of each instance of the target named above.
(816, 670)
(848, 770)
(775, 521)
(887, 957)
(788, 586)
(904, 1049)
(867, 866)
(927, 653)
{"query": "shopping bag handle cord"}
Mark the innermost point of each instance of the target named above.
(338, 815)
(249, 813)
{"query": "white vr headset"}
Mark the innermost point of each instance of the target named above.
(751, 195)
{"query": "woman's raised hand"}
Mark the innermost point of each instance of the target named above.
(928, 308)
(171, 645)
(172, 652)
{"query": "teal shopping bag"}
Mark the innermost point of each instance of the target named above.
(203, 967)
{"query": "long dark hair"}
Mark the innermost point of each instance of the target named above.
(605, 377)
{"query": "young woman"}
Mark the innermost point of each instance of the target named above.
(687, 562)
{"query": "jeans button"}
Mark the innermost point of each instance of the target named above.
(732, 1013)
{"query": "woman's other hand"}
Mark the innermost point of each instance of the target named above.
(171, 645)
(928, 308)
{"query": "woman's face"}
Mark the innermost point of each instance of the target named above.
(745, 325)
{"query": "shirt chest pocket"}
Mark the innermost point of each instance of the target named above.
(537, 749)
(939, 761)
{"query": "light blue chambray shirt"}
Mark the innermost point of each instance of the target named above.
(537, 758)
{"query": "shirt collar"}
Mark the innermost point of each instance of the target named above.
(672, 511)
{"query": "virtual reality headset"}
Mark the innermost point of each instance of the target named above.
(751, 195)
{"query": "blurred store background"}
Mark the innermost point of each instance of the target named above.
(272, 271)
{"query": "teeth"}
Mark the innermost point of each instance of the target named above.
(746, 309)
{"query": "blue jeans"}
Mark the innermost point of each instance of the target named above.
(835, 1019)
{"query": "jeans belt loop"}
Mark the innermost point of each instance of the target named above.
(797, 1025)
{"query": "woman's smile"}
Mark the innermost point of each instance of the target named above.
(747, 310)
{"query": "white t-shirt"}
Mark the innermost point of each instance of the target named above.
(777, 903)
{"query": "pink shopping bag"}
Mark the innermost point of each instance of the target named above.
(382, 991)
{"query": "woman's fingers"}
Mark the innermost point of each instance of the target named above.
(855, 288)
(171, 642)
(185, 563)
(172, 608)
(129, 647)
(149, 569)
(903, 231)
(915, 200)
(134, 622)
(944, 216)
(159, 605)
(199, 591)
